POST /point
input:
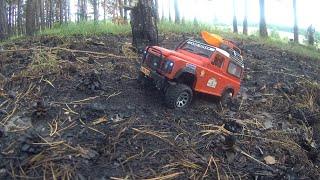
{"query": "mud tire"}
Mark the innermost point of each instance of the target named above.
(226, 98)
(144, 81)
(178, 96)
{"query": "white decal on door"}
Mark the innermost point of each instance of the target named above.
(212, 83)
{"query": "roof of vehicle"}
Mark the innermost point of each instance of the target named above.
(233, 55)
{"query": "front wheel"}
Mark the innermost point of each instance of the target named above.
(226, 98)
(141, 79)
(178, 96)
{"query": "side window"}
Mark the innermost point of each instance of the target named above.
(234, 69)
(218, 61)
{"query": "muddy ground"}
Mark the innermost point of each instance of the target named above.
(71, 108)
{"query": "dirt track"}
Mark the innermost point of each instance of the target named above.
(69, 113)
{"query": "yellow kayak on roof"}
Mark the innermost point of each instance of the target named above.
(212, 39)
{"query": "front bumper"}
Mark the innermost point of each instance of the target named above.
(159, 80)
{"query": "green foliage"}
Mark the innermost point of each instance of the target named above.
(187, 27)
(255, 33)
(10, 39)
(87, 28)
(299, 49)
(107, 27)
(274, 34)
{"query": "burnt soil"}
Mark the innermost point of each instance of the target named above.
(72, 108)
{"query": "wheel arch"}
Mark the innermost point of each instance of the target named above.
(228, 88)
(186, 76)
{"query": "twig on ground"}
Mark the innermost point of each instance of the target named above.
(160, 135)
(249, 156)
(91, 128)
(47, 81)
(216, 130)
(170, 176)
(113, 94)
(77, 101)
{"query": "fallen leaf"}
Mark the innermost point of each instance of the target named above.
(100, 120)
(269, 160)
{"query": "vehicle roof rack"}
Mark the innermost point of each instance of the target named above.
(235, 56)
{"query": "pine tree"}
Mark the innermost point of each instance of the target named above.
(30, 17)
(235, 23)
(3, 20)
(144, 24)
(245, 19)
(262, 26)
(176, 12)
(295, 27)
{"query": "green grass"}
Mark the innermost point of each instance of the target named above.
(274, 40)
(188, 27)
(299, 49)
(11, 39)
(107, 27)
(87, 29)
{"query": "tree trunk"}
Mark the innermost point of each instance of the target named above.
(51, 13)
(95, 11)
(61, 11)
(30, 17)
(120, 3)
(47, 12)
(176, 12)
(156, 10)
(162, 12)
(295, 27)
(37, 12)
(42, 17)
(15, 18)
(20, 16)
(104, 10)
(84, 10)
(66, 11)
(10, 19)
(245, 19)
(3, 21)
(170, 18)
(310, 35)
(262, 26)
(235, 22)
(144, 25)
(82, 13)
(125, 15)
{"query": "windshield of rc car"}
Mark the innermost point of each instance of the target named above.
(198, 48)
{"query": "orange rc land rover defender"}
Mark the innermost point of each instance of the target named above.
(214, 66)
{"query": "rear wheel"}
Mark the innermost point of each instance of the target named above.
(178, 96)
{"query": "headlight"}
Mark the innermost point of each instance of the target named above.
(168, 66)
(145, 53)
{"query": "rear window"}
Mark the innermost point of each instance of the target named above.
(234, 69)
(198, 48)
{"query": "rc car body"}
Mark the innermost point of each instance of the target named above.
(194, 66)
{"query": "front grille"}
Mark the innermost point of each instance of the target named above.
(153, 61)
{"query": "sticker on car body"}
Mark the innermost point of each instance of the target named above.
(212, 82)
(203, 46)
